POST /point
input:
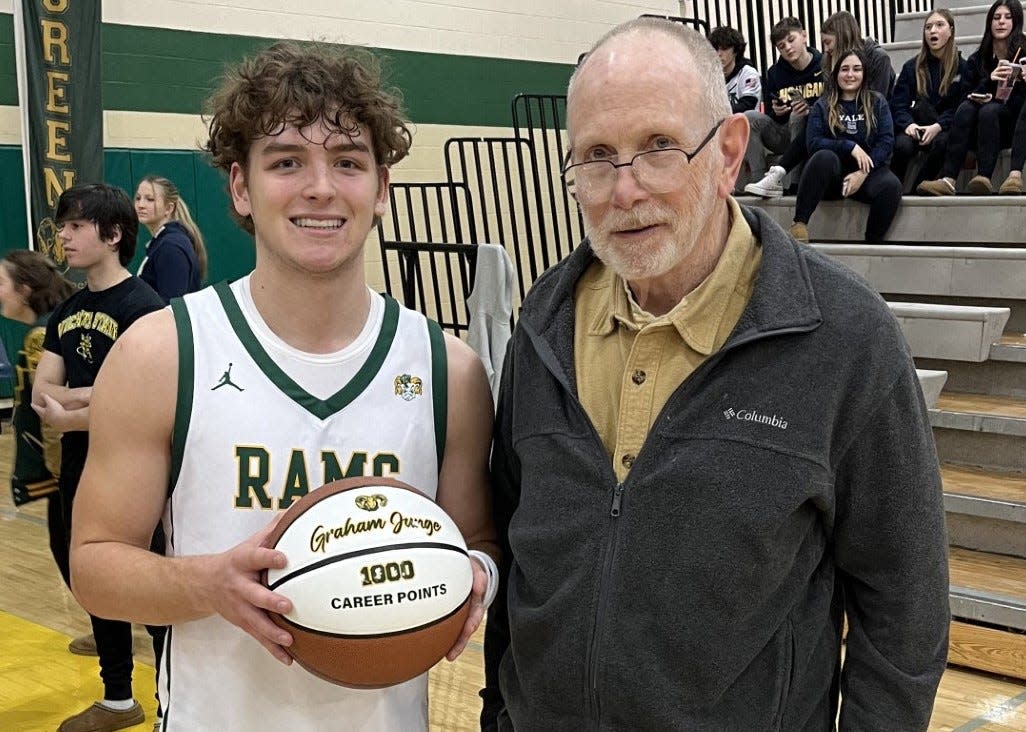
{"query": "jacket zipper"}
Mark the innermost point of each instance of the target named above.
(617, 504)
(615, 509)
(607, 568)
(617, 500)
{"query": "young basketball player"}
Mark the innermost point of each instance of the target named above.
(98, 229)
(218, 413)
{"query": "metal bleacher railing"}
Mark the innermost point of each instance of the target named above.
(498, 190)
(755, 19)
(540, 119)
(431, 240)
(508, 190)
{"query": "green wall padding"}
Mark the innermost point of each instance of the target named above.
(163, 70)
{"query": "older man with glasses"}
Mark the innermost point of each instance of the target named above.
(711, 447)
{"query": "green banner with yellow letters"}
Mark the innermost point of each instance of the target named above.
(59, 87)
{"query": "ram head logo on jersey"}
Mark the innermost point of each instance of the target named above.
(371, 503)
(408, 387)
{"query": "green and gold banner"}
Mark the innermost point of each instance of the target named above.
(59, 88)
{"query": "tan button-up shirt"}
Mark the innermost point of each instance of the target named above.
(629, 362)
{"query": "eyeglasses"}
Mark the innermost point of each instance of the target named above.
(657, 171)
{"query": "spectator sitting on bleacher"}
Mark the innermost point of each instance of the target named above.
(1013, 183)
(929, 90)
(989, 121)
(744, 85)
(840, 33)
(850, 137)
(791, 86)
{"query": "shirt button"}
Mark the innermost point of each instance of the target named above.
(627, 460)
(639, 377)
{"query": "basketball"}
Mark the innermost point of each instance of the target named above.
(379, 580)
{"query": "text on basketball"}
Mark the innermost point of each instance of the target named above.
(322, 535)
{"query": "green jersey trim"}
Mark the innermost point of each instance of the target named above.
(439, 387)
(183, 410)
(320, 408)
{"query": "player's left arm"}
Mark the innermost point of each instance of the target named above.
(464, 490)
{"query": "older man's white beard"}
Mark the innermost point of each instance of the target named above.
(651, 258)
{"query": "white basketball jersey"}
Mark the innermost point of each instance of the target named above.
(248, 442)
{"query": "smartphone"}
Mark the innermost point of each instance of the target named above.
(977, 97)
(795, 96)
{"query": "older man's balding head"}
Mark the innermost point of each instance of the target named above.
(654, 44)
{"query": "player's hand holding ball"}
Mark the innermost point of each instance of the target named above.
(238, 594)
(380, 582)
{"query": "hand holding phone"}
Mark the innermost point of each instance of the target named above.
(799, 105)
(852, 183)
(929, 133)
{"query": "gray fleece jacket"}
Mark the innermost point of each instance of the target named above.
(792, 479)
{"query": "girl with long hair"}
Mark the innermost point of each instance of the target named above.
(841, 33)
(176, 258)
(929, 90)
(850, 136)
(981, 119)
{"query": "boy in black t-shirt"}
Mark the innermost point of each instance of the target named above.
(97, 226)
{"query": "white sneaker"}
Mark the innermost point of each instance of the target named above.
(771, 185)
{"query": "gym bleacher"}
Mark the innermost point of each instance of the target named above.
(953, 270)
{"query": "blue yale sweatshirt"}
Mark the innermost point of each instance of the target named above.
(879, 143)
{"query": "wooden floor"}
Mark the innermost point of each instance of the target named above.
(988, 572)
(993, 406)
(981, 483)
(32, 592)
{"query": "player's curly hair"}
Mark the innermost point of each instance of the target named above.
(293, 84)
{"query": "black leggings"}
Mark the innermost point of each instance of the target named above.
(906, 148)
(1019, 141)
(59, 535)
(990, 126)
(822, 179)
(797, 152)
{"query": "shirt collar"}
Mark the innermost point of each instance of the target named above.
(697, 318)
